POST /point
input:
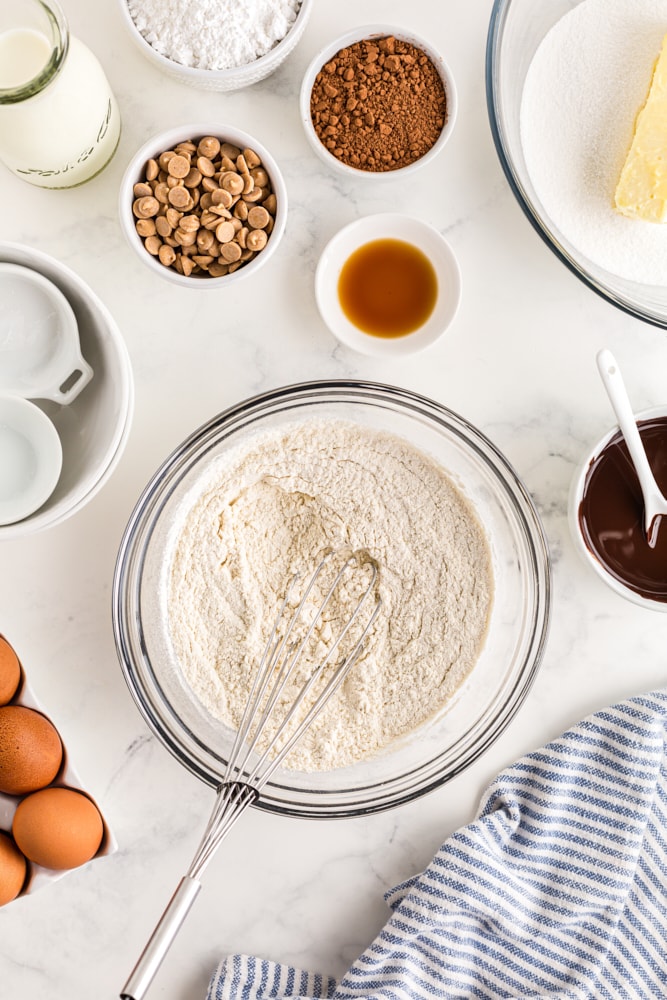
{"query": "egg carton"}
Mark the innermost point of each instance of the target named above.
(67, 776)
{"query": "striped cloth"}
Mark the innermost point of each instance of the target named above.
(557, 890)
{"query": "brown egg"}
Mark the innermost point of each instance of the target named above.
(10, 672)
(58, 828)
(13, 868)
(30, 750)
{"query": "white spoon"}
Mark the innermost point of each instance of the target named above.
(655, 503)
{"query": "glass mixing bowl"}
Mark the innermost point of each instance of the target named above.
(517, 27)
(484, 705)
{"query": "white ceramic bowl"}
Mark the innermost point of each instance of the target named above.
(591, 558)
(158, 144)
(31, 458)
(359, 34)
(94, 428)
(40, 353)
(396, 227)
(226, 79)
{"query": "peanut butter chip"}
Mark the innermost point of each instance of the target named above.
(204, 239)
(225, 232)
(256, 240)
(203, 259)
(251, 158)
(167, 255)
(232, 182)
(178, 166)
(146, 227)
(193, 178)
(260, 176)
(230, 252)
(190, 223)
(191, 211)
(209, 146)
(216, 270)
(270, 204)
(205, 166)
(146, 207)
(161, 192)
(258, 217)
(221, 197)
(153, 244)
(162, 226)
(184, 237)
(179, 197)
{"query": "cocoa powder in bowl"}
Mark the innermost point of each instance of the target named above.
(379, 104)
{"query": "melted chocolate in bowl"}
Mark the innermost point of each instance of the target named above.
(611, 513)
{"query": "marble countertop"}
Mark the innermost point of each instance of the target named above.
(518, 362)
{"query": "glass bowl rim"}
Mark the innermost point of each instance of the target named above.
(355, 802)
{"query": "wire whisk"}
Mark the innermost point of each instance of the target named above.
(273, 722)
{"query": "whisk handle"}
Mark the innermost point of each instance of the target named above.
(161, 939)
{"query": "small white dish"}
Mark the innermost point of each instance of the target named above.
(360, 34)
(30, 458)
(390, 226)
(40, 352)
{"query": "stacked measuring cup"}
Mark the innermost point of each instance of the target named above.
(66, 392)
(40, 358)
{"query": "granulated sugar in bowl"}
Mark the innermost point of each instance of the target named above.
(378, 102)
(566, 82)
(216, 44)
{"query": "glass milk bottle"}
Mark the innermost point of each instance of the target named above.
(59, 121)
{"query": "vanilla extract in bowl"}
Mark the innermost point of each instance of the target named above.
(388, 288)
(388, 285)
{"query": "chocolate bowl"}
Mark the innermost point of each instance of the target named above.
(485, 704)
(606, 514)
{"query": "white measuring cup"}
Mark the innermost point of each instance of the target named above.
(40, 352)
(31, 458)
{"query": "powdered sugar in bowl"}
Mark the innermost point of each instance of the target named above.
(216, 44)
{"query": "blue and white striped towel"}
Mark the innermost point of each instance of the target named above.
(557, 890)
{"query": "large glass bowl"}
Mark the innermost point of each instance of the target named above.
(516, 29)
(485, 704)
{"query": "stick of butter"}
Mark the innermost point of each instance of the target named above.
(642, 187)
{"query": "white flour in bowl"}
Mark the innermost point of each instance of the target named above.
(586, 83)
(273, 507)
